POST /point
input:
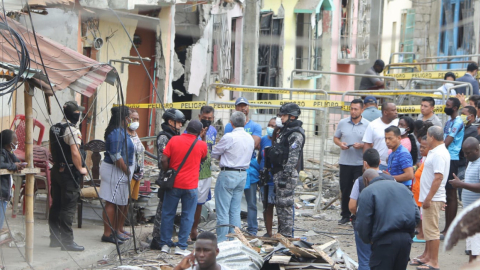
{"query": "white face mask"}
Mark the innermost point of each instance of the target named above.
(14, 147)
(278, 122)
(448, 85)
(403, 131)
(134, 126)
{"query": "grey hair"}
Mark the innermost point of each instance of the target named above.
(436, 133)
(238, 119)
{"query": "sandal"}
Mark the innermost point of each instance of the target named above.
(416, 240)
(415, 262)
(427, 267)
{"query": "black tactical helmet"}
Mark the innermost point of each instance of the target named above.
(290, 109)
(175, 115)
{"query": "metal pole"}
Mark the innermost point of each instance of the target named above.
(459, 84)
(30, 178)
(342, 74)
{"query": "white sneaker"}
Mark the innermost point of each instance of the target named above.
(165, 249)
(184, 252)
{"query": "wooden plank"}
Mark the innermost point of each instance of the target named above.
(22, 172)
(280, 259)
(328, 246)
(299, 252)
(282, 267)
(324, 256)
(242, 238)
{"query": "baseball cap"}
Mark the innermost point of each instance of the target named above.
(241, 100)
(71, 106)
(195, 127)
(370, 99)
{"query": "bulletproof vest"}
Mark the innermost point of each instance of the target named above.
(167, 131)
(57, 145)
(279, 151)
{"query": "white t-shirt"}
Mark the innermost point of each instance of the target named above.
(438, 161)
(375, 133)
(222, 267)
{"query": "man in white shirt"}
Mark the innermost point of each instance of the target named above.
(234, 151)
(433, 196)
(374, 136)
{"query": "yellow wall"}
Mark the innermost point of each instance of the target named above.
(106, 94)
(289, 33)
(392, 13)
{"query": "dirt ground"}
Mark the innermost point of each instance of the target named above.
(450, 260)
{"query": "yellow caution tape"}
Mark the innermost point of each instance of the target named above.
(426, 75)
(413, 109)
(257, 104)
(376, 93)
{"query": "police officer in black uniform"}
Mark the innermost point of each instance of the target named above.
(67, 172)
(286, 156)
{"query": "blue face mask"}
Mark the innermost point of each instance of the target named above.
(269, 131)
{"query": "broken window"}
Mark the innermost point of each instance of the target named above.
(269, 55)
(348, 49)
(308, 41)
(221, 62)
(406, 35)
(457, 35)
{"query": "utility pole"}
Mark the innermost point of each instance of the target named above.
(251, 30)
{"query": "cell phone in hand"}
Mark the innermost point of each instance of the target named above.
(350, 145)
(24, 163)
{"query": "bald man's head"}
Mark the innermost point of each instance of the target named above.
(471, 149)
(369, 175)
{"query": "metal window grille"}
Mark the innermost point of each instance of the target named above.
(361, 50)
(308, 42)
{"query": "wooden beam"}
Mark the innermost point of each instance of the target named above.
(242, 238)
(30, 178)
(22, 172)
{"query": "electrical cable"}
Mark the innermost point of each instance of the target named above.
(58, 101)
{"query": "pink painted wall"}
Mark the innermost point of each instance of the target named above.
(338, 83)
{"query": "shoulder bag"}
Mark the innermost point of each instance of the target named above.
(168, 178)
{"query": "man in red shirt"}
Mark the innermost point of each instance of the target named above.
(184, 187)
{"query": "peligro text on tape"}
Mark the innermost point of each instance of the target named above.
(407, 109)
(257, 104)
(425, 75)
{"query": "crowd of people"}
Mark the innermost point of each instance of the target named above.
(396, 174)
(428, 166)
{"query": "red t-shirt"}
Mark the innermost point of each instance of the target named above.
(176, 150)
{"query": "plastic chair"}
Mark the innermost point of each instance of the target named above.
(18, 125)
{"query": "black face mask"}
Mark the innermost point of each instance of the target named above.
(206, 123)
(73, 117)
(448, 111)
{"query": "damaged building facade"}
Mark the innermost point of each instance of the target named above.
(188, 45)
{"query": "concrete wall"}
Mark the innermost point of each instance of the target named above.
(427, 28)
(60, 25)
(392, 13)
(119, 45)
(376, 23)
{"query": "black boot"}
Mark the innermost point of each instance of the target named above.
(155, 245)
(54, 242)
(72, 247)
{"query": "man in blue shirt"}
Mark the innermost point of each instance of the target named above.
(371, 111)
(400, 162)
(469, 77)
(453, 138)
(254, 129)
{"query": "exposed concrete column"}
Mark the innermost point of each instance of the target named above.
(251, 30)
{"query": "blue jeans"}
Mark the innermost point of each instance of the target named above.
(363, 252)
(3, 212)
(228, 196)
(251, 197)
(169, 211)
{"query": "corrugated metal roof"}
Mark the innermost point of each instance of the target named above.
(66, 68)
